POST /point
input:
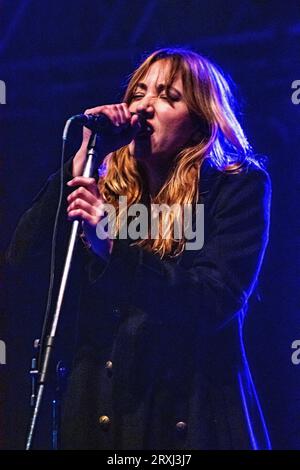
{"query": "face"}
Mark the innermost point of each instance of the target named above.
(166, 113)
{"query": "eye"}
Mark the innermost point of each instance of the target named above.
(169, 97)
(137, 96)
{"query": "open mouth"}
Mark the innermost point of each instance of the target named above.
(145, 131)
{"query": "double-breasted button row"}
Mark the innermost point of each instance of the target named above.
(105, 422)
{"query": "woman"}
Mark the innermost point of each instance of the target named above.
(160, 361)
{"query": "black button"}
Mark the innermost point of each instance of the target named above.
(108, 367)
(104, 422)
(181, 426)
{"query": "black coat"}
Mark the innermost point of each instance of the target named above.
(159, 360)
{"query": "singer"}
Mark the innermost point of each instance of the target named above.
(159, 360)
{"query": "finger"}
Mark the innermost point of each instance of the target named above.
(114, 112)
(111, 111)
(135, 123)
(82, 193)
(126, 111)
(96, 110)
(82, 215)
(81, 204)
(119, 115)
(82, 181)
(125, 114)
(107, 110)
(95, 211)
(122, 117)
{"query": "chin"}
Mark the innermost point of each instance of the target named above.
(141, 149)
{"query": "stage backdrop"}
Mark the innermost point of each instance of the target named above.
(59, 58)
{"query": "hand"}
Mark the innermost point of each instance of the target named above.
(125, 127)
(86, 204)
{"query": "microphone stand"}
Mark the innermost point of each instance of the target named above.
(49, 340)
(56, 404)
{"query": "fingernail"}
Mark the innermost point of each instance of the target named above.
(69, 183)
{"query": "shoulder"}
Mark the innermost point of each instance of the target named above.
(251, 183)
(250, 174)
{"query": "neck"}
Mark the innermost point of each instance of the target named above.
(156, 175)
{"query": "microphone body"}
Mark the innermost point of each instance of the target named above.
(101, 123)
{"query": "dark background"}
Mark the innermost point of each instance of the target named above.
(58, 58)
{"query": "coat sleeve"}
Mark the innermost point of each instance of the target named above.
(32, 238)
(216, 282)
(33, 233)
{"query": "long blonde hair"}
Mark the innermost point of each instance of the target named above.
(210, 101)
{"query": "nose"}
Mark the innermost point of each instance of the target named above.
(145, 109)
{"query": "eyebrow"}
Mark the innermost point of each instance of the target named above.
(159, 87)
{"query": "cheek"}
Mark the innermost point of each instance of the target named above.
(175, 119)
(178, 130)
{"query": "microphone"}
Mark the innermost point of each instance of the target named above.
(99, 123)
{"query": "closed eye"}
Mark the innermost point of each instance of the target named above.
(137, 96)
(168, 97)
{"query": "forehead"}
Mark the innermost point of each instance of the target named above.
(161, 72)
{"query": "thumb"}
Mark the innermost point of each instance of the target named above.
(135, 123)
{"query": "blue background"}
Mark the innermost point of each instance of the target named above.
(59, 58)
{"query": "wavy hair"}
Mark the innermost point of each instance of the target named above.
(210, 101)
